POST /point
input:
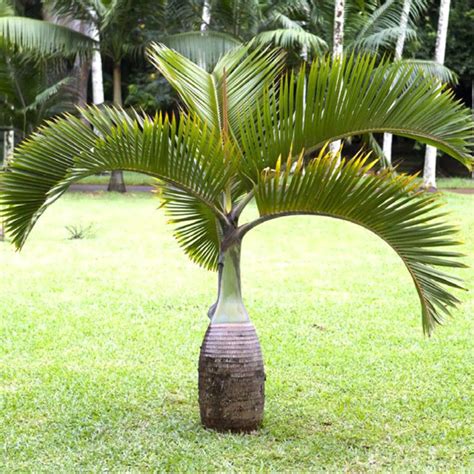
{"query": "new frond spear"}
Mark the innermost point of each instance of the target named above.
(251, 131)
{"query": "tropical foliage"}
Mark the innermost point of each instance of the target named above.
(31, 92)
(251, 131)
(39, 38)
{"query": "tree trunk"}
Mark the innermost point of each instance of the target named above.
(96, 66)
(304, 52)
(387, 137)
(231, 372)
(337, 48)
(116, 182)
(206, 15)
(429, 170)
(8, 146)
(205, 22)
(81, 66)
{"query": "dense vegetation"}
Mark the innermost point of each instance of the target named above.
(279, 21)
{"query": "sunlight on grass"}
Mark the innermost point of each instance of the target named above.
(99, 340)
(137, 179)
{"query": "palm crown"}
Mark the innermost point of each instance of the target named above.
(252, 131)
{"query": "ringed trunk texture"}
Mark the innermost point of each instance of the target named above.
(231, 373)
(231, 378)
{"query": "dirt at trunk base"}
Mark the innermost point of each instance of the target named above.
(231, 378)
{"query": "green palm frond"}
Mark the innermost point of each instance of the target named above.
(197, 229)
(385, 38)
(292, 38)
(387, 205)
(353, 96)
(247, 75)
(226, 148)
(48, 93)
(195, 86)
(186, 155)
(203, 48)
(433, 69)
(378, 25)
(247, 78)
(30, 36)
(6, 8)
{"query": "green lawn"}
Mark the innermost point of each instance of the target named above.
(142, 179)
(455, 183)
(135, 179)
(99, 340)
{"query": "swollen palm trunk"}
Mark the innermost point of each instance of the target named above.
(231, 373)
(231, 378)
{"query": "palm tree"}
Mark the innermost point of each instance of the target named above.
(250, 131)
(429, 169)
(337, 49)
(113, 25)
(366, 26)
(42, 37)
(31, 92)
(387, 137)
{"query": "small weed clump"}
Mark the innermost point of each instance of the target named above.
(79, 231)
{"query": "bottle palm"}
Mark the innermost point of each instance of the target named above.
(250, 131)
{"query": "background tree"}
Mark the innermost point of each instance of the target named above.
(250, 133)
(387, 137)
(337, 49)
(116, 25)
(429, 169)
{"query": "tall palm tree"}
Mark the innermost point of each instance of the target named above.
(429, 169)
(337, 49)
(250, 131)
(387, 137)
(113, 25)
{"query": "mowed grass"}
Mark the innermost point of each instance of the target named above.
(138, 179)
(99, 342)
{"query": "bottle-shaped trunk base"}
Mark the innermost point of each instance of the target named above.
(231, 378)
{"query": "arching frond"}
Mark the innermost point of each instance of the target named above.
(196, 87)
(353, 96)
(203, 48)
(291, 38)
(385, 38)
(49, 92)
(197, 229)
(407, 220)
(377, 25)
(30, 36)
(6, 8)
(247, 75)
(186, 155)
(433, 69)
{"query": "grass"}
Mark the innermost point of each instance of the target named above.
(137, 179)
(99, 340)
(455, 183)
(130, 178)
